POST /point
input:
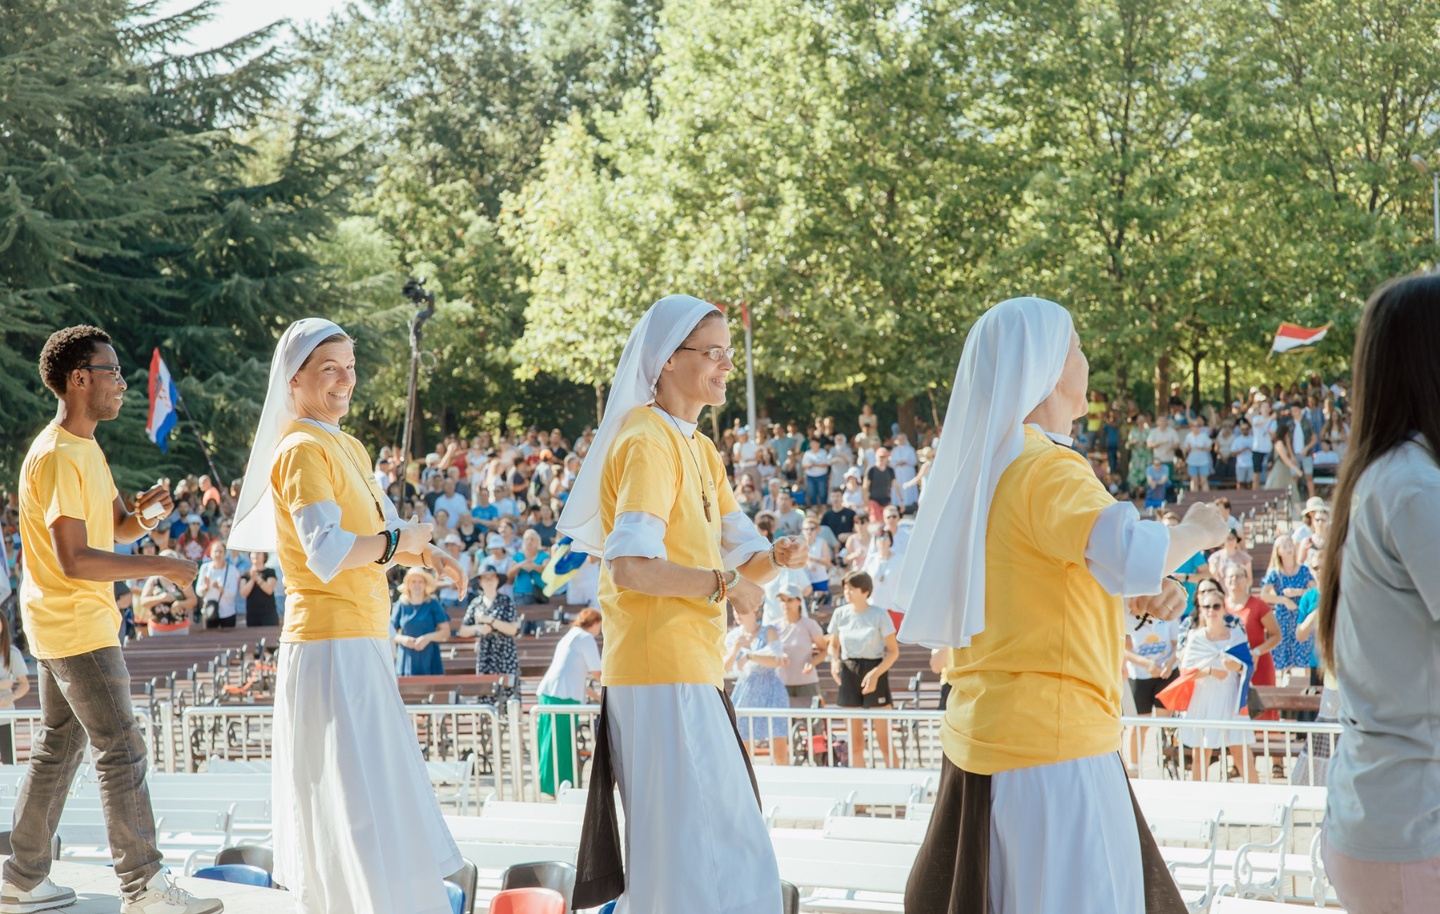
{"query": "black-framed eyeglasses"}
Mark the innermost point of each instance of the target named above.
(713, 353)
(1212, 605)
(113, 370)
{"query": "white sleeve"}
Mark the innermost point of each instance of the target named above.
(590, 652)
(325, 542)
(392, 517)
(636, 534)
(740, 539)
(1127, 554)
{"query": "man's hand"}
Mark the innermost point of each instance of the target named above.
(791, 552)
(157, 495)
(1168, 604)
(180, 571)
(746, 596)
(1209, 522)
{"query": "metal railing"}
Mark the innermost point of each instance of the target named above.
(443, 732)
(26, 723)
(1292, 752)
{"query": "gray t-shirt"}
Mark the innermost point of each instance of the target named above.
(862, 635)
(1384, 799)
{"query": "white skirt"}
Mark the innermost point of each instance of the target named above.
(695, 840)
(1063, 840)
(357, 826)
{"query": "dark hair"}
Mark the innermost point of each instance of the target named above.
(1396, 386)
(67, 350)
(332, 338)
(5, 641)
(860, 581)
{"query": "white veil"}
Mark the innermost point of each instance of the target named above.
(1011, 362)
(653, 341)
(254, 528)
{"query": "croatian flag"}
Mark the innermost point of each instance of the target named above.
(163, 398)
(1293, 336)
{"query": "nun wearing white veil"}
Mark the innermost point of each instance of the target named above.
(357, 825)
(654, 500)
(1019, 564)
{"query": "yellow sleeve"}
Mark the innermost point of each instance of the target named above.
(62, 486)
(1065, 500)
(649, 478)
(302, 476)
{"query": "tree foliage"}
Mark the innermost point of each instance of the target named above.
(864, 175)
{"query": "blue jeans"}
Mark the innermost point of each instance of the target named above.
(817, 489)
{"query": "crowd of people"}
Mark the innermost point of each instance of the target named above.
(493, 500)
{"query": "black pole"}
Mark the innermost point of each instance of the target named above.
(424, 302)
(220, 482)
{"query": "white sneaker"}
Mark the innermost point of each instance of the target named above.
(44, 897)
(163, 896)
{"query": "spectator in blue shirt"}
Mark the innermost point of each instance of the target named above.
(525, 574)
(485, 513)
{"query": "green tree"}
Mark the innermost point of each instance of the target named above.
(132, 201)
(831, 165)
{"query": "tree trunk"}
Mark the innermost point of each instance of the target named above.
(1195, 360)
(1229, 395)
(1162, 384)
(599, 403)
(906, 410)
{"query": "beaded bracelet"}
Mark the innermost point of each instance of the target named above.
(392, 542)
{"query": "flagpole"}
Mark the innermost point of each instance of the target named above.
(190, 421)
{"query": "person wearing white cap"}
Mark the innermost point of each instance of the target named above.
(1316, 511)
(357, 826)
(451, 593)
(654, 500)
(1018, 565)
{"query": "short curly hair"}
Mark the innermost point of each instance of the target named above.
(65, 351)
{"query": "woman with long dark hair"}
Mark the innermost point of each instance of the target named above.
(1379, 613)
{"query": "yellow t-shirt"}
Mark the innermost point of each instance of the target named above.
(655, 640)
(1041, 683)
(312, 466)
(1096, 413)
(65, 476)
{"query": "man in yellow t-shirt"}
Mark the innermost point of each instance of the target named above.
(1022, 562)
(71, 516)
(653, 499)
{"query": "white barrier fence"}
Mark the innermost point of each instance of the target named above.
(450, 732)
(1260, 751)
(504, 742)
(25, 725)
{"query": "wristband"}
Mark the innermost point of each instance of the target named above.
(392, 542)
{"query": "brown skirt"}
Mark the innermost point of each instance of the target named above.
(958, 843)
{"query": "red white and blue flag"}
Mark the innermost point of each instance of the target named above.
(164, 399)
(1294, 336)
